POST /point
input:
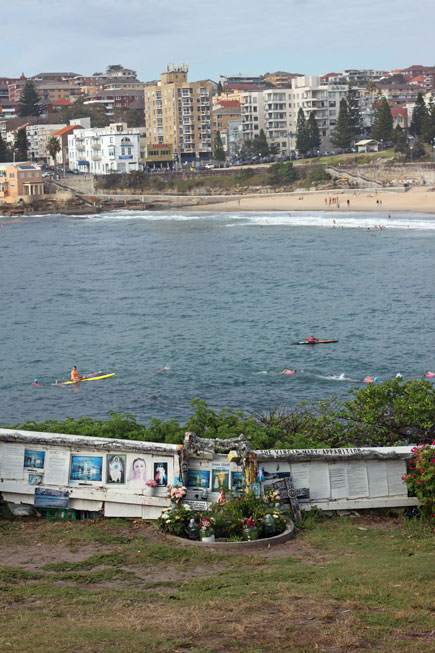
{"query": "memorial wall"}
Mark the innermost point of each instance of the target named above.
(128, 478)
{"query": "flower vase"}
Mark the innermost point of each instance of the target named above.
(250, 534)
(149, 491)
(207, 535)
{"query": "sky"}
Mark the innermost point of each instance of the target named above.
(223, 37)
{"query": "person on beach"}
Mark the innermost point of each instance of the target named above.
(75, 376)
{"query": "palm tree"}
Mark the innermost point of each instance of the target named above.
(53, 147)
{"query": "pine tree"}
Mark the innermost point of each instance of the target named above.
(418, 116)
(301, 133)
(383, 126)
(4, 151)
(30, 102)
(219, 152)
(428, 126)
(400, 140)
(355, 119)
(313, 133)
(343, 135)
(21, 145)
(261, 144)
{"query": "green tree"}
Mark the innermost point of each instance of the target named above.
(219, 152)
(21, 145)
(418, 115)
(302, 144)
(383, 125)
(261, 144)
(114, 67)
(418, 150)
(313, 133)
(355, 120)
(4, 151)
(384, 414)
(428, 126)
(400, 140)
(30, 102)
(282, 173)
(343, 135)
(219, 88)
(133, 117)
(53, 147)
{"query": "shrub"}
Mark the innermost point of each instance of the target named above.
(420, 478)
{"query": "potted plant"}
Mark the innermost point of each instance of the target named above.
(250, 531)
(206, 532)
(150, 487)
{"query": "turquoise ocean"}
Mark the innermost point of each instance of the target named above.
(184, 305)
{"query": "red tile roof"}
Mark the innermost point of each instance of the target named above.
(67, 130)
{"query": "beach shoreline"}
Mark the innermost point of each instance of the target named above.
(414, 200)
(417, 199)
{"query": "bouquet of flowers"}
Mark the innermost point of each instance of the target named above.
(250, 523)
(205, 524)
(151, 483)
(176, 493)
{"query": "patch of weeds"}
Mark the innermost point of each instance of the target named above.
(14, 574)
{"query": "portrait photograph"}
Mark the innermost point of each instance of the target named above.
(161, 474)
(115, 469)
(220, 479)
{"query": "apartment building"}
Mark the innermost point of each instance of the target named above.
(276, 110)
(48, 90)
(252, 114)
(224, 112)
(38, 137)
(311, 95)
(179, 113)
(279, 123)
(105, 150)
(280, 79)
(117, 99)
(20, 180)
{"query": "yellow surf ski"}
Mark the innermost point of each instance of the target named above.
(89, 378)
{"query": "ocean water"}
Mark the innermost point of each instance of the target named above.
(185, 305)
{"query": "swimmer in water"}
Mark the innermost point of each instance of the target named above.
(35, 382)
(288, 372)
(370, 379)
(429, 375)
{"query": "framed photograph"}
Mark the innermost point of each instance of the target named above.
(86, 469)
(138, 471)
(161, 474)
(115, 469)
(48, 498)
(34, 458)
(260, 475)
(220, 479)
(237, 480)
(35, 479)
(199, 478)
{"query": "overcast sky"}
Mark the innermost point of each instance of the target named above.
(220, 37)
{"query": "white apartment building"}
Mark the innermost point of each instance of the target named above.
(252, 113)
(279, 124)
(38, 137)
(310, 94)
(104, 150)
(276, 110)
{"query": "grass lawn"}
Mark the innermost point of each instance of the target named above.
(345, 584)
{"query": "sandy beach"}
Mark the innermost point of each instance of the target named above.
(415, 200)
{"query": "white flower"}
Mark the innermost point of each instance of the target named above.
(186, 506)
